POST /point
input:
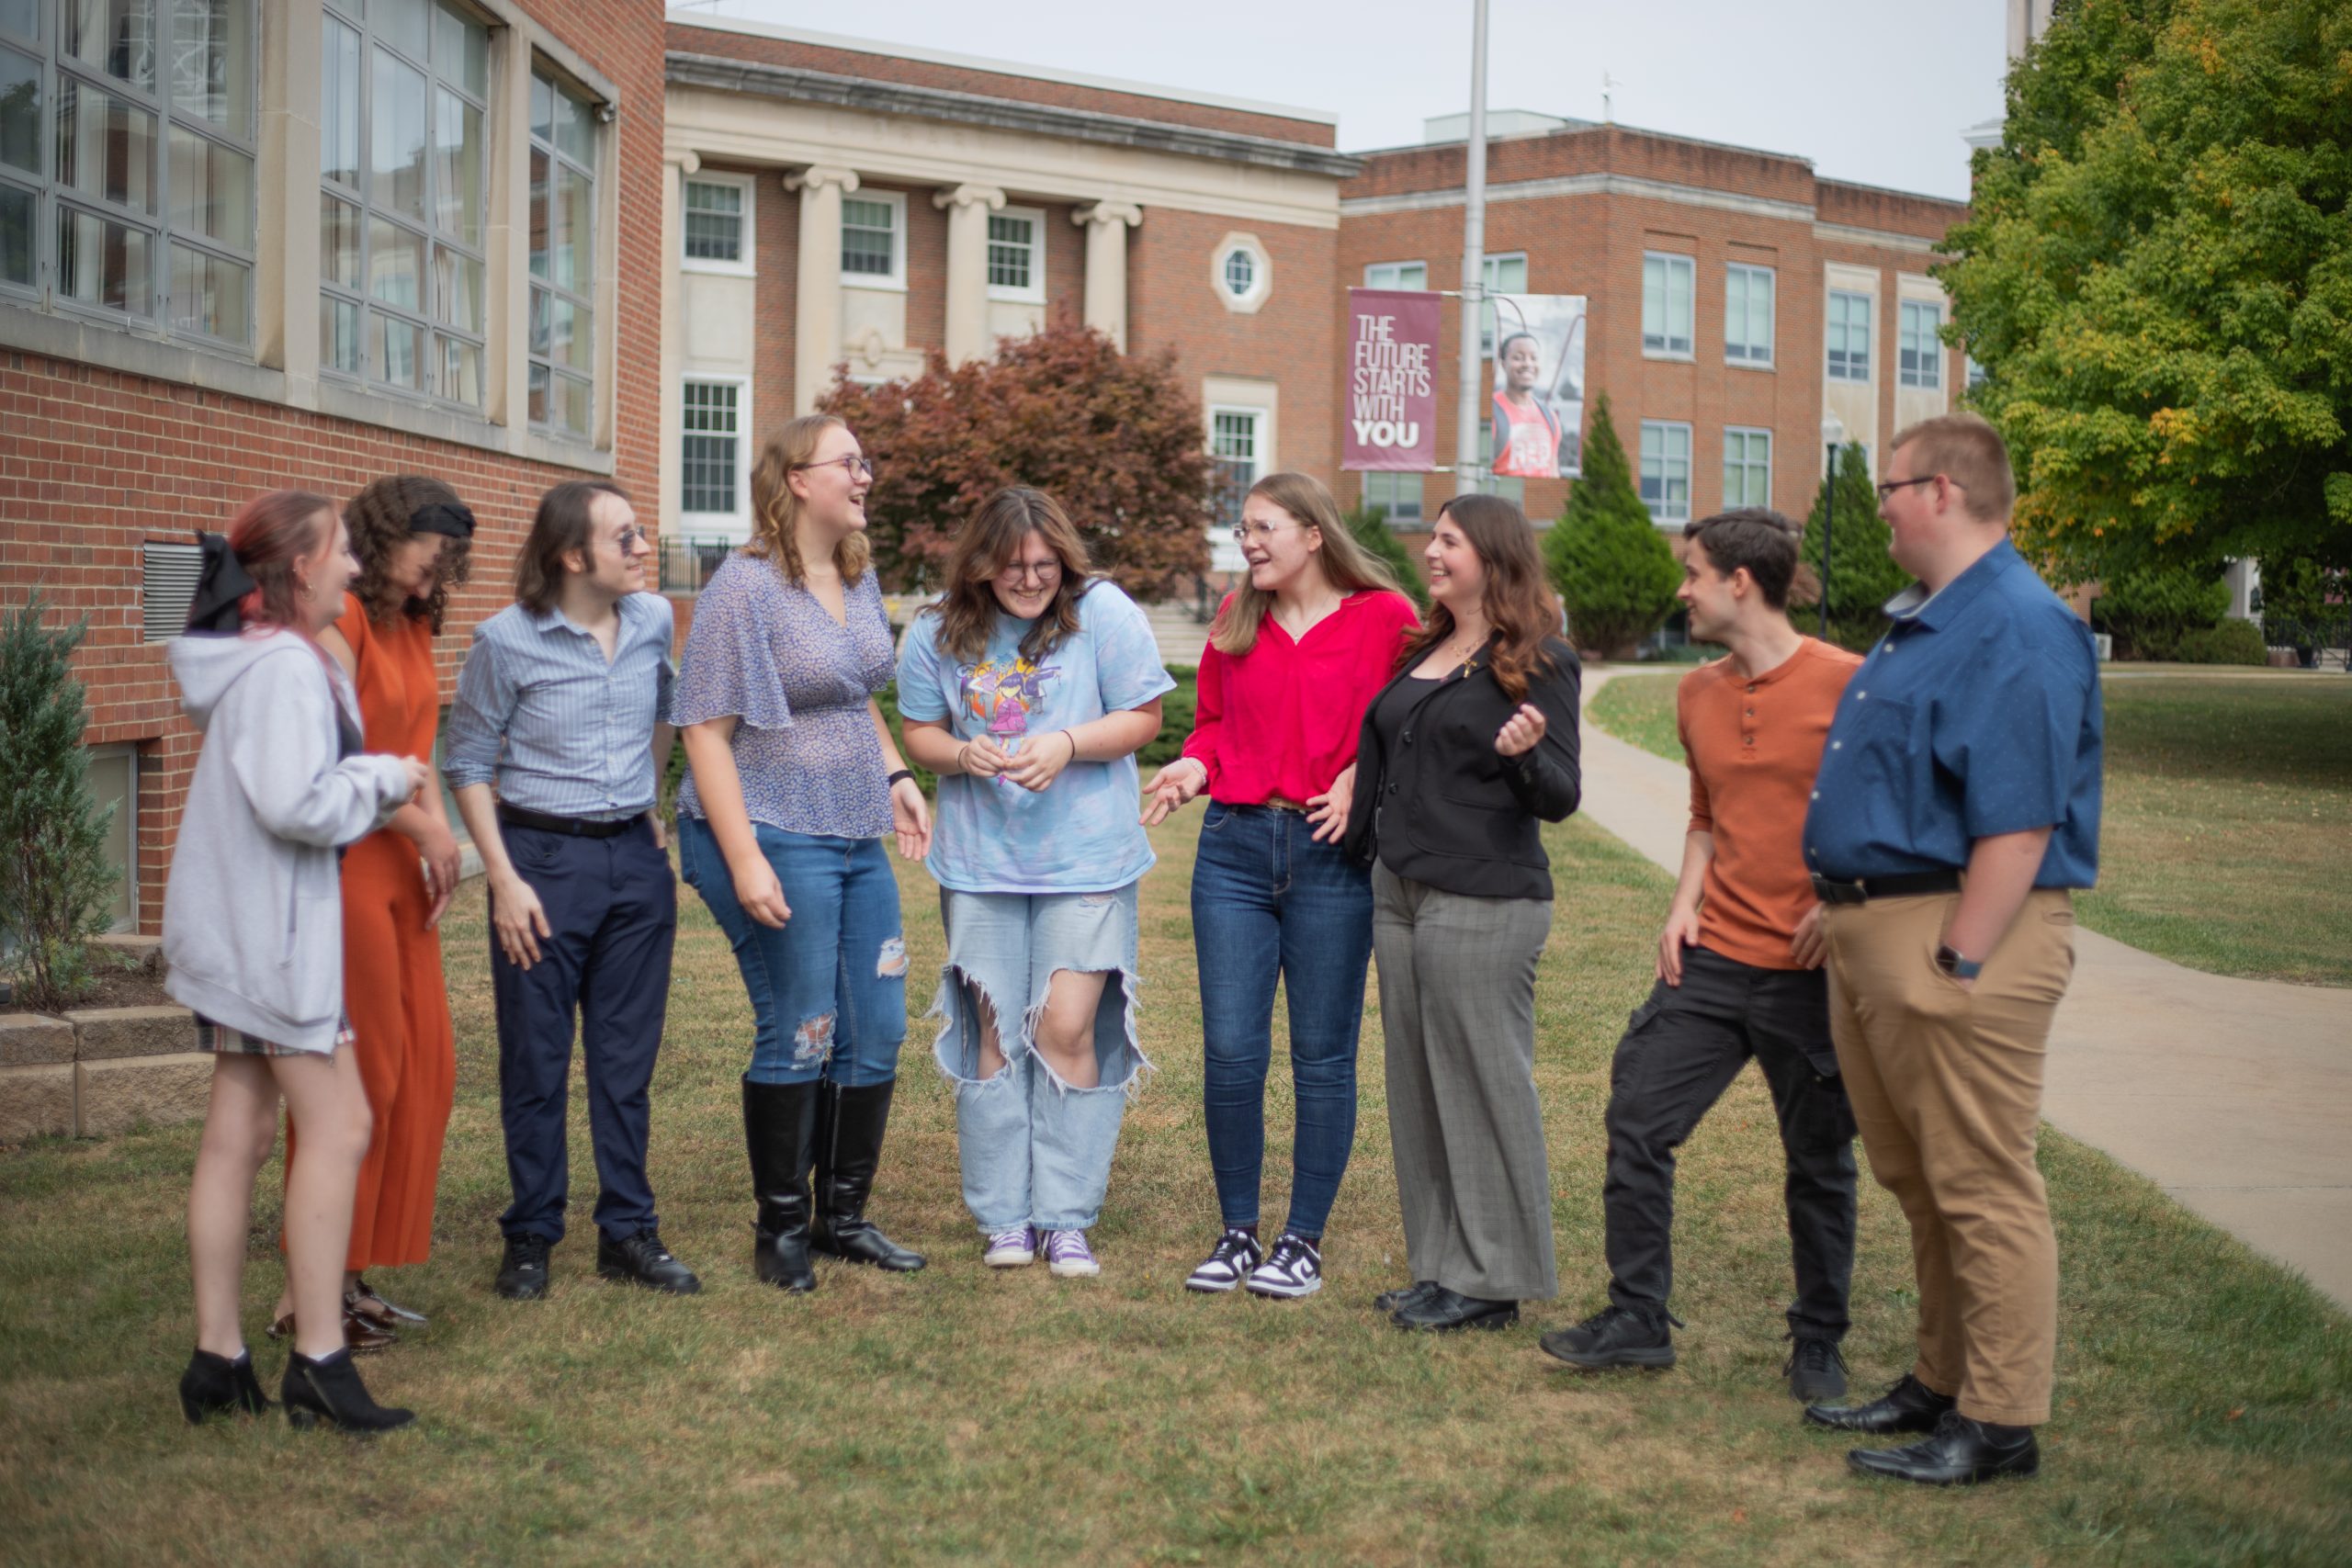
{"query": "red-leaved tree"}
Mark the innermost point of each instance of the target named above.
(1114, 438)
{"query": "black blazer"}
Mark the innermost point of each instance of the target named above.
(1441, 806)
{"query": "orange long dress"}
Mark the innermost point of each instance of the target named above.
(393, 987)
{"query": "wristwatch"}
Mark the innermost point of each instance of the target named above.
(1949, 960)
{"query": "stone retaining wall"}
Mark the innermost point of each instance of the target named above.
(99, 1071)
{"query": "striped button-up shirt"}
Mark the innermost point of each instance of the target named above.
(543, 715)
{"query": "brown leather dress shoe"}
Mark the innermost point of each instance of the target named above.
(387, 1315)
(359, 1334)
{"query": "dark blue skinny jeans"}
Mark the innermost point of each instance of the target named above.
(1270, 903)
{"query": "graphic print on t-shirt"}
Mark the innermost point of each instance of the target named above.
(1003, 695)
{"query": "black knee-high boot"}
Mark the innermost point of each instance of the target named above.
(848, 1147)
(780, 1130)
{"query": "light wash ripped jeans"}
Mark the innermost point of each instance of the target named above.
(1035, 1150)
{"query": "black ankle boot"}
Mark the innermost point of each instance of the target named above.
(848, 1147)
(214, 1385)
(330, 1391)
(780, 1132)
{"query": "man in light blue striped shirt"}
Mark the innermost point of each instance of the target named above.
(558, 709)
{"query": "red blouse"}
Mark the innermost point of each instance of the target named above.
(1282, 718)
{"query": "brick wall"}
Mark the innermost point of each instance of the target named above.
(99, 462)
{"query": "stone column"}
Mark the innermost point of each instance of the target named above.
(677, 165)
(817, 317)
(286, 200)
(968, 208)
(1106, 224)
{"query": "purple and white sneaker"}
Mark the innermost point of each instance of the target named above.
(1015, 1248)
(1069, 1256)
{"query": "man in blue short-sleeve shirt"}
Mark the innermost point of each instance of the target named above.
(1956, 807)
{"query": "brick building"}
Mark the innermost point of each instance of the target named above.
(253, 244)
(1735, 299)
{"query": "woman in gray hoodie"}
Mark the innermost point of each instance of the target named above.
(252, 933)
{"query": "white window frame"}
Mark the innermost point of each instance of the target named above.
(1490, 281)
(1671, 263)
(1918, 355)
(1259, 421)
(1036, 293)
(747, 263)
(600, 191)
(1745, 358)
(738, 520)
(129, 814)
(1746, 436)
(1869, 325)
(1410, 276)
(1261, 276)
(1406, 490)
(894, 280)
(1662, 512)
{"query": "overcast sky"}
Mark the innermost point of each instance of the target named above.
(1871, 90)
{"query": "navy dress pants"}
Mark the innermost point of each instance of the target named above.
(612, 907)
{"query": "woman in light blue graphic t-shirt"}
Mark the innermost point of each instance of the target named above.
(1029, 688)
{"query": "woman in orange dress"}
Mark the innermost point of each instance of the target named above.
(413, 536)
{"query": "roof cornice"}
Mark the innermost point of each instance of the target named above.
(869, 95)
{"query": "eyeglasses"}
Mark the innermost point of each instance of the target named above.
(1886, 487)
(850, 464)
(629, 538)
(1042, 571)
(1261, 532)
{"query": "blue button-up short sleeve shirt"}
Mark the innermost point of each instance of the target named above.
(1977, 714)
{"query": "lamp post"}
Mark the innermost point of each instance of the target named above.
(1833, 435)
(1468, 417)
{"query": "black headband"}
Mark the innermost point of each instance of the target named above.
(220, 586)
(448, 518)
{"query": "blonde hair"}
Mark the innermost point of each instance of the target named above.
(775, 510)
(1967, 451)
(1347, 565)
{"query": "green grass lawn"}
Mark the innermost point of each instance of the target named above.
(2202, 1417)
(2228, 821)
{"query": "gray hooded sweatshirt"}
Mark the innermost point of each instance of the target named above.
(253, 914)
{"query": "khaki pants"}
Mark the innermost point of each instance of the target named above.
(1946, 1086)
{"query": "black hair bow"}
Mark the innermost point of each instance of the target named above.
(221, 587)
(450, 517)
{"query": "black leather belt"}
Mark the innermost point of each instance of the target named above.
(1911, 884)
(573, 827)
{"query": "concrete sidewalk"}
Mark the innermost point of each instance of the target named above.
(2233, 1096)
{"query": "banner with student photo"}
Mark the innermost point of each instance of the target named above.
(1537, 412)
(1389, 422)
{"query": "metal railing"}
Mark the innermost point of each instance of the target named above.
(2319, 644)
(688, 559)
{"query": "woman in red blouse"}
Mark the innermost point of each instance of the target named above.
(1295, 656)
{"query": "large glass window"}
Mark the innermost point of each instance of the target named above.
(1237, 448)
(1747, 314)
(873, 239)
(1919, 356)
(563, 253)
(1667, 285)
(1505, 274)
(1396, 496)
(127, 159)
(1413, 274)
(403, 215)
(715, 214)
(1850, 336)
(1747, 467)
(1017, 256)
(1666, 470)
(712, 457)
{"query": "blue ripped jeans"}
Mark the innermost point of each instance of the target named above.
(1036, 1151)
(829, 991)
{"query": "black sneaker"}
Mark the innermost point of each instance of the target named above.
(1237, 1252)
(522, 1272)
(1817, 1369)
(1293, 1269)
(1616, 1337)
(642, 1260)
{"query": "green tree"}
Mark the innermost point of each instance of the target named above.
(2150, 610)
(1370, 525)
(2156, 276)
(1862, 577)
(1114, 438)
(55, 879)
(1614, 571)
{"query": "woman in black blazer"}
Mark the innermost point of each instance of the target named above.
(1464, 755)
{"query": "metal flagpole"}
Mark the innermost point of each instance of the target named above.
(1471, 472)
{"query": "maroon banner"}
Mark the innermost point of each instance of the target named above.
(1388, 418)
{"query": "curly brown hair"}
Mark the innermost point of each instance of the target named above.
(377, 518)
(1522, 613)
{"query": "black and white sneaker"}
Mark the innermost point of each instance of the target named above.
(1294, 1268)
(1235, 1253)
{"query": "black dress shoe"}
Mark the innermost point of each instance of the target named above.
(642, 1260)
(522, 1272)
(1616, 1337)
(1403, 1296)
(1909, 1406)
(1443, 1310)
(1960, 1452)
(214, 1385)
